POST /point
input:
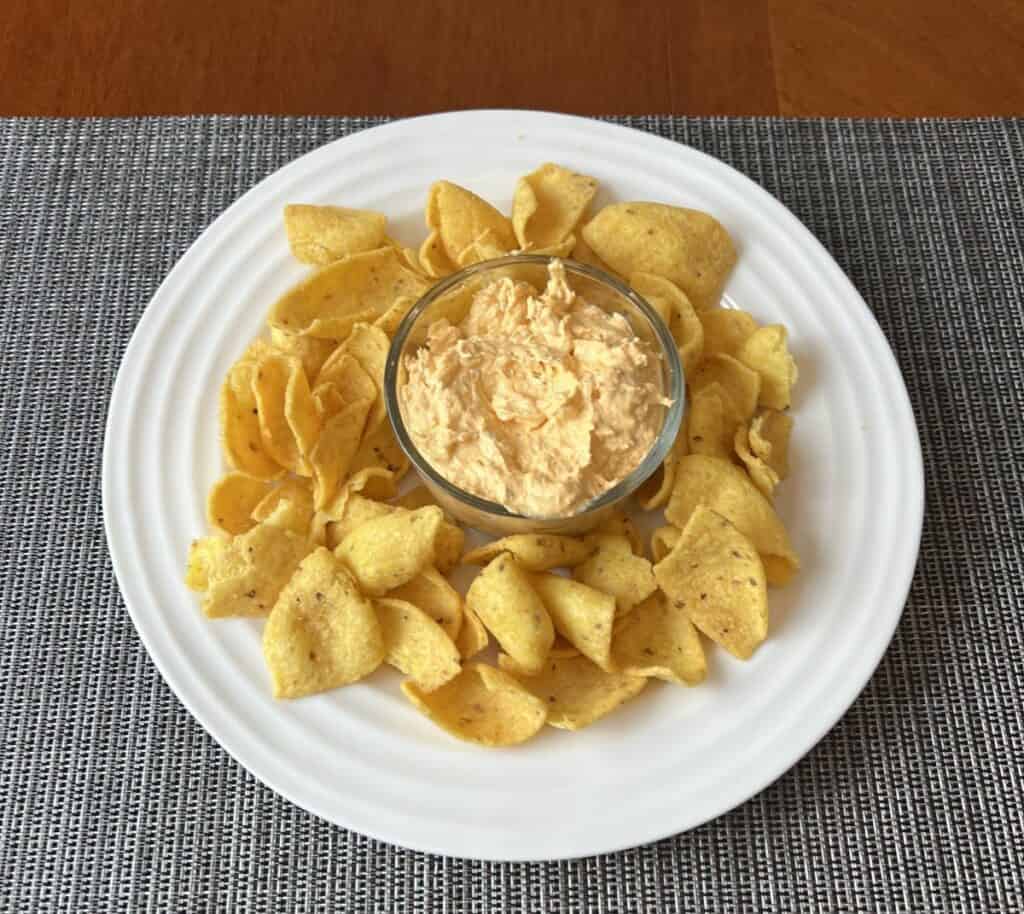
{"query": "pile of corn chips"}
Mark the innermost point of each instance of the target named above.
(310, 532)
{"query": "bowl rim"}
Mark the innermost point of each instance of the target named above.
(624, 487)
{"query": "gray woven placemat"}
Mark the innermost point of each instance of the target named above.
(112, 798)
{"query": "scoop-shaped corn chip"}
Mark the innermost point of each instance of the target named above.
(416, 645)
(533, 552)
(659, 641)
(390, 319)
(380, 449)
(679, 316)
(657, 490)
(307, 349)
(342, 374)
(482, 705)
(368, 345)
(577, 692)
(289, 420)
(241, 439)
(687, 246)
(322, 633)
(715, 576)
(582, 615)
(245, 578)
(230, 504)
(769, 439)
(204, 554)
(619, 523)
(460, 217)
(432, 257)
(726, 330)
(767, 353)
(726, 490)
(762, 475)
(741, 384)
(473, 637)
(358, 288)
(548, 204)
(712, 422)
(431, 592)
(584, 253)
(323, 234)
(504, 600)
(615, 570)
(663, 541)
(332, 455)
(290, 505)
(485, 247)
(387, 551)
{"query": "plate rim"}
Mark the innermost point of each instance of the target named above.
(899, 588)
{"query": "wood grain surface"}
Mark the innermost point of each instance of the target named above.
(789, 57)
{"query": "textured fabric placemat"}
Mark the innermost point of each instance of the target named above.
(112, 798)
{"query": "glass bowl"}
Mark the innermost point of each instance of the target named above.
(450, 299)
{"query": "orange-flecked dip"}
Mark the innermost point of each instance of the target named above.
(537, 400)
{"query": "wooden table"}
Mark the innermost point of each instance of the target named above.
(771, 57)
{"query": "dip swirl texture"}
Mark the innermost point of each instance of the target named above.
(539, 401)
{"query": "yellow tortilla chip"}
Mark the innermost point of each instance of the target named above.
(486, 247)
(387, 551)
(582, 615)
(473, 636)
(687, 246)
(245, 578)
(358, 288)
(766, 353)
(577, 693)
(322, 633)
(460, 217)
(584, 253)
(373, 482)
(659, 641)
(726, 330)
(504, 600)
(342, 374)
(432, 257)
(204, 554)
(679, 316)
(390, 320)
(663, 541)
(418, 497)
(368, 345)
(615, 570)
(657, 490)
(481, 705)
(307, 349)
(289, 418)
(290, 505)
(762, 475)
(322, 234)
(562, 249)
(416, 645)
(231, 501)
(532, 551)
(332, 455)
(548, 205)
(432, 593)
(712, 422)
(742, 385)
(715, 576)
(618, 523)
(769, 439)
(380, 449)
(241, 439)
(726, 490)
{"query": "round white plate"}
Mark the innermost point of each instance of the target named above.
(362, 756)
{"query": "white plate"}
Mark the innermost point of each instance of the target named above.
(363, 757)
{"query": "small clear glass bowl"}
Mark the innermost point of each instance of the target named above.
(450, 298)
